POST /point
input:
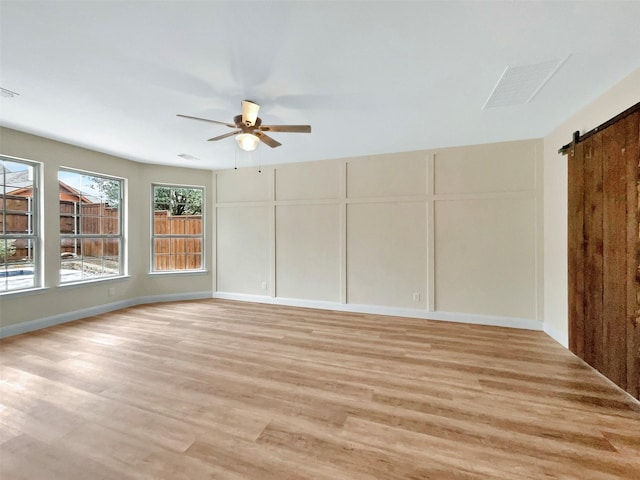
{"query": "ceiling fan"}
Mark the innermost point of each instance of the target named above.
(249, 130)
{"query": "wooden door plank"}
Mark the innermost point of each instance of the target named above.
(593, 262)
(632, 161)
(614, 254)
(576, 247)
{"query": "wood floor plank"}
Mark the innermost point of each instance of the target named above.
(215, 389)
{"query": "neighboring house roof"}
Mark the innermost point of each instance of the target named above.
(25, 187)
(73, 193)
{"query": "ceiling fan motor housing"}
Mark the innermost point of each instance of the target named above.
(246, 126)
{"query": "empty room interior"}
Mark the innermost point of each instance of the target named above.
(319, 240)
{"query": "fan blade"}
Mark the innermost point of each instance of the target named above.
(230, 125)
(286, 128)
(267, 139)
(230, 134)
(249, 112)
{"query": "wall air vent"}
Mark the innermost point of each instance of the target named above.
(520, 84)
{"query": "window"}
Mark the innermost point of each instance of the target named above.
(91, 222)
(177, 228)
(19, 240)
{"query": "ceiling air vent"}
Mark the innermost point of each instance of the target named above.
(186, 156)
(7, 93)
(518, 85)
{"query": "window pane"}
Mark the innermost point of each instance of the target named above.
(69, 248)
(18, 222)
(194, 201)
(160, 222)
(70, 270)
(178, 245)
(110, 225)
(112, 247)
(18, 225)
(92, 257)
(92, 248)
(179, 261)
(194, 262)
(18, 178)
(180, 209)
(194, 225)
(110, 190)
(110, 221)
(17, 265)
(162, 262)
(18, 203)
(162, 246)
(177, 228)
(89, 225)
(90, 214)
(194, 245)
(162, 198)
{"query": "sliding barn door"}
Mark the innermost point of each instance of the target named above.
(604, 246)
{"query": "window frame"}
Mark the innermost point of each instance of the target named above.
(120, 236)
(170, 236)
(35, 221)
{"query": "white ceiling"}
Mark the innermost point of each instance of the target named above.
(370, 77)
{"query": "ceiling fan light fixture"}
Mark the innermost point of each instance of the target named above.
(247, 142)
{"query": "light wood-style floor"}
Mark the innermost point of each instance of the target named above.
(227, 390)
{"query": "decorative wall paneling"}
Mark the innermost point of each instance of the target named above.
(455, 230)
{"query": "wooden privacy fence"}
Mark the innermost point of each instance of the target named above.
(181, 249)
(75, 218)
(167, 224)
(177, 244)
(17, 221)
(89, 219)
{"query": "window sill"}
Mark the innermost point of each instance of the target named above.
(25, 292)
(94, 281)
(178, 272)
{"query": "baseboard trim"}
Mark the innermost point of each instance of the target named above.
(489, 320)
(173, 297)
(30, 326)
(561, 338)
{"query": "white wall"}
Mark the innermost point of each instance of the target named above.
(620, 97)
(453, 233)
(55, 303)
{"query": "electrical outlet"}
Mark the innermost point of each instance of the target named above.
(264, 285)
(111, 292)
(416, 297)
